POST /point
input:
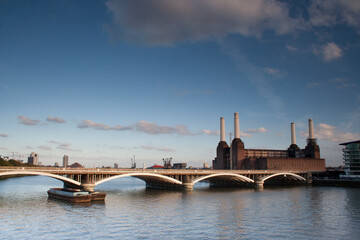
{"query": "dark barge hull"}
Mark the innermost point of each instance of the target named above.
(57, 194)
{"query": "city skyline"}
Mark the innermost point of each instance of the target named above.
(101, 81)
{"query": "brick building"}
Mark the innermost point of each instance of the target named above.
(236, 156)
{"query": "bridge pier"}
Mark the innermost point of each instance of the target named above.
(309, 178)
(187, 186)
(259, 184)
(87, 183)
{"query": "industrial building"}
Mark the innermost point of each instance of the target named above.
(351, 153)
(236, 156)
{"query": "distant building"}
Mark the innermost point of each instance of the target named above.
(65, 161)
(116, 165)
(179, 166)
(56, 164)
(206, 166)
(33, 159)
(351, 154)
(76, 165)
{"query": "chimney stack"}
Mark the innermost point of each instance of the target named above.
(222, 129)
(293, 136)
(311, 129)
(236, 125)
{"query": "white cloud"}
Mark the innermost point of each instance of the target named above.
(152, 148)
(165, 22)
(275, 72)
(312, 84)
(67, 147)
(55, 119)
(2, 148)
(209, 132)
(3, 135)
(327, 132)
(329, 52)
(343, 83)
(28, 121)
(331, 12)
(258, 130)
(100, 126)
(154, 128)
(46, 148)
(291, 48)
(248, 133)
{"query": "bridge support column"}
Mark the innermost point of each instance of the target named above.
(88, 187)
(259, 184)
(187, 186)
(309, 178)
(87, 183)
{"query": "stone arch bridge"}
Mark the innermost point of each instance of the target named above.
(88, 179)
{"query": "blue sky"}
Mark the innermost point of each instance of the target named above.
(102, 81)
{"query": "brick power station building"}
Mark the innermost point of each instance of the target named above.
(236, 156)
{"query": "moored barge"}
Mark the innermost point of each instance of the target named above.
(75, 195)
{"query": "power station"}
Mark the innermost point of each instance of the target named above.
(237, 157)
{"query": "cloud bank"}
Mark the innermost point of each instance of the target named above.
(331, 12)
(164, 22)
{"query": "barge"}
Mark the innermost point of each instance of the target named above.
(75, 195)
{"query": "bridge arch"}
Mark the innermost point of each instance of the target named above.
(285, 174)
(61, 178)
(225, 175)
(143, 176)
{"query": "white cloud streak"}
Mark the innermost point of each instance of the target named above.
(46, 148)
(55, 119)
(100, 126)
(154, 128)
(28, 121)
(152, 148)
(165, 22)
(67, 147)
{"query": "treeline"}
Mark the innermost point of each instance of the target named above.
(13, 162)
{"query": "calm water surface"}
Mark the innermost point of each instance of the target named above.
(133, 212)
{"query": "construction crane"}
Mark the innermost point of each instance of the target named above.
(167, 163)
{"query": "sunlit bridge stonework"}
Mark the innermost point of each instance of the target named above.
(88, 179)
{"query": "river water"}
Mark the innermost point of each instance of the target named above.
(131, 211)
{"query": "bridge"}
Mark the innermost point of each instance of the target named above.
(88, 179)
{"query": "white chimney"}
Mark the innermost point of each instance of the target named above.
(311, 129)
(236, 125)
(222, 129)
(293, 136)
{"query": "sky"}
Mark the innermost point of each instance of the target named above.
(104, 81)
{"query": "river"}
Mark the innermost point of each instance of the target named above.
(131, 211)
